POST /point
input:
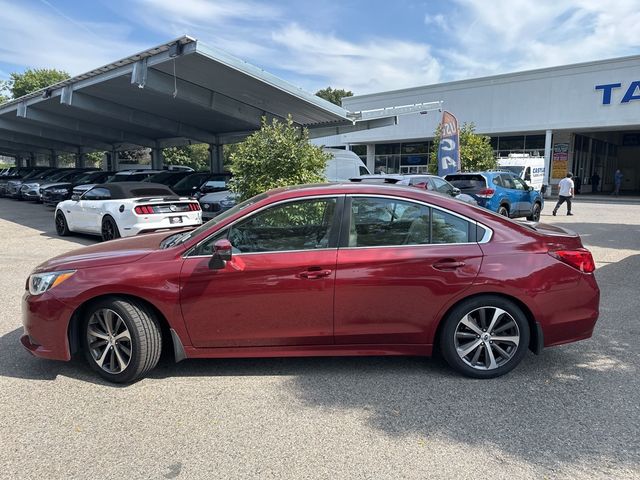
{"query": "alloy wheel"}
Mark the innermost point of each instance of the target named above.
(487, 338)
(108, 230)
(60, 224)
(109, 341)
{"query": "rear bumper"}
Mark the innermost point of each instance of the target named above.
(45, 320)
(151, 224)
(570, 316)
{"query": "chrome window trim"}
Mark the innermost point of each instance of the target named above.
(485, 238)
(255, 212)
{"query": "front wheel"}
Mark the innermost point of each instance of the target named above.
(535, 213)
(485, 337)
(122, 339)
(109, 229)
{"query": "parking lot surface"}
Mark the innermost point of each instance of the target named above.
(572, 412)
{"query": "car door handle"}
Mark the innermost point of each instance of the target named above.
(312, 273)
(448, 264)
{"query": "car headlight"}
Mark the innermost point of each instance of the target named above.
(41, 282)
(206, 206)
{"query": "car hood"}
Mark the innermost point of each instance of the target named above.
(114, 252)
(55, 184)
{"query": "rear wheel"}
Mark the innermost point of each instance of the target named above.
(122, 339)
(503, 210)
(62, 228)
(109, 229)
(535, 213)
(485, 337)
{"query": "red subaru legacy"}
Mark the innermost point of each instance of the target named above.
(353, 269)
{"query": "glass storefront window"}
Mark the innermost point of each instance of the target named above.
(415, 148)
(534, 142)
(512, 143)
(387, 149)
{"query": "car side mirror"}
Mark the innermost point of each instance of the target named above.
(455, 192)
(75, 197)
(221, 254)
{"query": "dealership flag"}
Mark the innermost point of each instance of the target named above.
(449, 150)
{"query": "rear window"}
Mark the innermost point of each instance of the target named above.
(467, 182)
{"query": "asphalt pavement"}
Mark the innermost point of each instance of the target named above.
(572, 412)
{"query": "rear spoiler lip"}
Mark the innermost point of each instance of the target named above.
(562, 231)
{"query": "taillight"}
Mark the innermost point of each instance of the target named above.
(580, 259)
(144, 210)
(194, 207)
(486, 193)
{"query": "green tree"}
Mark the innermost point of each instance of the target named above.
(194, 156)
(4, 88)
(334, 96)
(94, 159)
(30, 80)
(277, 155)
(476, 152)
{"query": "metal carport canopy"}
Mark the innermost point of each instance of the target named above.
(178, 93)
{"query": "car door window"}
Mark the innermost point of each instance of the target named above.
(442, 186)
(507, 182)
(377, 222)
(301, 225)
(519, 184)
(97, 194)
(497, 180)
(448, 228)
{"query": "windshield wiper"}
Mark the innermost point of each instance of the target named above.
(175, 239)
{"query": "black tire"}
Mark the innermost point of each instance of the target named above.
(145, 340)
(109, 229)
(504, 211)
(535, 213)
(456, 338)
(62, 228)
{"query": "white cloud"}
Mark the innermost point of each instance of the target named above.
(364, 67)
(438, 20)
(40, 37)
(515, 35)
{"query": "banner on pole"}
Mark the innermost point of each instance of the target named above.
(449, 150)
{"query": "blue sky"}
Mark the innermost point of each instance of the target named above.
(365, 46)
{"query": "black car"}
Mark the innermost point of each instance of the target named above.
(199, 183)
(168, 177)
(55, 193)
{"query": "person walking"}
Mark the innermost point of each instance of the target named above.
(617, 181)
(565, 194)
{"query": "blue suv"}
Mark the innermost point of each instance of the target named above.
(501, 192)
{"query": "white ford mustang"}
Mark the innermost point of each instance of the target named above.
(124, 209)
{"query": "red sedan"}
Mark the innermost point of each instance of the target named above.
(347, 269)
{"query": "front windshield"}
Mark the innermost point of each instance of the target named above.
(85, 177)
(178, 238)
(191, 181)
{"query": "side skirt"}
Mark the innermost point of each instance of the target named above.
(420, 350)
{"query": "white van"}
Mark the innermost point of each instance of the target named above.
(344, 165)
(528, 168)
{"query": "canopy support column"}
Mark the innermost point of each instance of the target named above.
(215, 158)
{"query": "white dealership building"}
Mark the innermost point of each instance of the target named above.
(583, 118)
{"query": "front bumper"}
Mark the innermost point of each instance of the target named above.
(31, 194)
(53, 199)
(45, 320)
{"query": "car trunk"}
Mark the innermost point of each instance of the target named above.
(554, 236)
